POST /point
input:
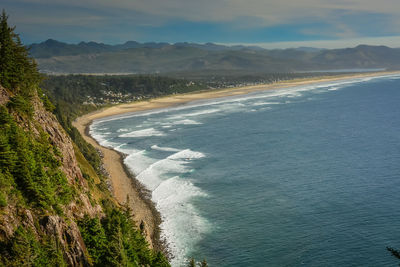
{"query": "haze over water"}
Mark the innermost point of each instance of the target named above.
(299, 176)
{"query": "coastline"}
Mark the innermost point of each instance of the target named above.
(123, 182)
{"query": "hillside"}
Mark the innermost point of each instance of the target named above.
(133, 57)
(55, 205)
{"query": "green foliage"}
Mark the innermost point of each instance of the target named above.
(95, 239)
(115, 241)
(17, 71)
(204, 263)
(89, 152)
(395, 253)
(3, 200)
(192, 263)
(71, 91)
(24, 249)
(47, 103)
(21, 105)
(27, 163)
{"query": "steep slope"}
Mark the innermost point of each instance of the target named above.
(32, 213)
(55, 208)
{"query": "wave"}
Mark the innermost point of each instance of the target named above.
(127, 151)
(143, 133)
(152, 176)
(181, 224)
(265, 103)
(194, 114)
(179, 122)
(102, 139)
(122, 130)
(335, 88)
(168, 149)
(187, 154)
(186, 122)
(137, 162)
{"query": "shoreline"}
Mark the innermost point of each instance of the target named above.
(127, 190)
(123, 182)
(143, 209)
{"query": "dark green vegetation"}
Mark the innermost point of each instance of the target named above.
(55, 209)
(78, 94)
(74, 95)
(192, 263)
(112, 241)
(183, 58)
(29, 170)
(395, 253)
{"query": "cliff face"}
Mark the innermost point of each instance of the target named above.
(64, 228)
(55, 207)
(61, 140)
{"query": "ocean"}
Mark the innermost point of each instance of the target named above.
(301, 176)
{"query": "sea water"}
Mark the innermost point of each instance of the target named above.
(301, 176)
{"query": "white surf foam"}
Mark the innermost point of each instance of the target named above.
(187, 154)
(263, 103)
(152, 176)
(137, 162)
(186, 122)
(202, 112)
(143, 133)
(102, 139)
(182, 226)
(193, 114)
(127, 151)
(122, 130)
(168, 149)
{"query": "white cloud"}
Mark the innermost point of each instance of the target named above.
(267, 12)
(322, 17)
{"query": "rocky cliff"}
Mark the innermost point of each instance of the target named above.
(63, 229)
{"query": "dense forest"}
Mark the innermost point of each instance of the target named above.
(55, 209)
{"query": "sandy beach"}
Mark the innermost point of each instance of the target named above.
(123, 185)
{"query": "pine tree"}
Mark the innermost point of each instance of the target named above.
(6, 51)
(18, 72)
(204, 263)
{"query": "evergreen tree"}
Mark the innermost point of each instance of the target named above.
(6, 51)
(395, 253)
(18, 72)
(191, 263)
(204, 263)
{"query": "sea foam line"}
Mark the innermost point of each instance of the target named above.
(143, 133)
(210, 102)
(181, 225)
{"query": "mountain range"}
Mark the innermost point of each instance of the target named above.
(146, 58)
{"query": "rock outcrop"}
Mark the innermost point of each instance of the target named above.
(65, 232)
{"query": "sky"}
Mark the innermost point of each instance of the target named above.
(267, 23)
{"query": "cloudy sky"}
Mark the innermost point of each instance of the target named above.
(269, 23)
